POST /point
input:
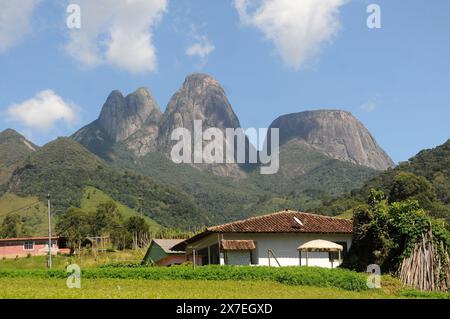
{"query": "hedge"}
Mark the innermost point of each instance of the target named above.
(307, 276)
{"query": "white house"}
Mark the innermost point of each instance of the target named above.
(287, 238)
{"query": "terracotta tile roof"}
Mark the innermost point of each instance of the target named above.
(284, 222)
(238, 245)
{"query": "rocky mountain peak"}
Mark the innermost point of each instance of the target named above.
(335, 133)
(198, 83)
(201, 97)
(122, 116)
(14, 148)
(14, 139)
(9, 132)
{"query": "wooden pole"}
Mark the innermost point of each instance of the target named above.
(307, 264)
(194, 258)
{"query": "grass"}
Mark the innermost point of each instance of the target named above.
(31, 288)
(177, 289)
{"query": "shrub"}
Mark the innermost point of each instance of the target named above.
(308, 276)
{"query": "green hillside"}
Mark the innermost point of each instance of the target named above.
(32, 211)
(64, 168)
(92, 197)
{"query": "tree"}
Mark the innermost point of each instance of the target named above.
(75, 226)
(410, 186)
(371, 242)
(106, 219)
(138, 229)
(385, 234)
(442, 186)
(11, 226)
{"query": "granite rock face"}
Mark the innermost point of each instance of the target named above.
(201, 97)
(335, 133)
(122, 116)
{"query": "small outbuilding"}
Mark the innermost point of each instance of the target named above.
(160, 253)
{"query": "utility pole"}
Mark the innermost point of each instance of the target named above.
(141, 205)
(49, 261)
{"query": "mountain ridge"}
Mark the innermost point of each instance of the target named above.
(335, 133)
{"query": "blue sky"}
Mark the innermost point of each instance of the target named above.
(396, 79)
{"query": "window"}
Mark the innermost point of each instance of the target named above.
(28, 245)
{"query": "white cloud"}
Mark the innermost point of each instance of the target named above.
(298, 28)
(15, 21)
(43, 111)
(201, 49)
(369, 107)
(117, 32)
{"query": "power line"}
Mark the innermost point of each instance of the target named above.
(22, 208)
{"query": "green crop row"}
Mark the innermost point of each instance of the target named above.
(308, 276)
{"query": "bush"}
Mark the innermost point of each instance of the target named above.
(308, 276)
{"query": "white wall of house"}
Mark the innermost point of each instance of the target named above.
(284, 247)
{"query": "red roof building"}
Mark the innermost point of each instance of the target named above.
(30, 246)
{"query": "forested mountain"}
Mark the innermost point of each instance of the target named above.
(64, 168)
(425, 177)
